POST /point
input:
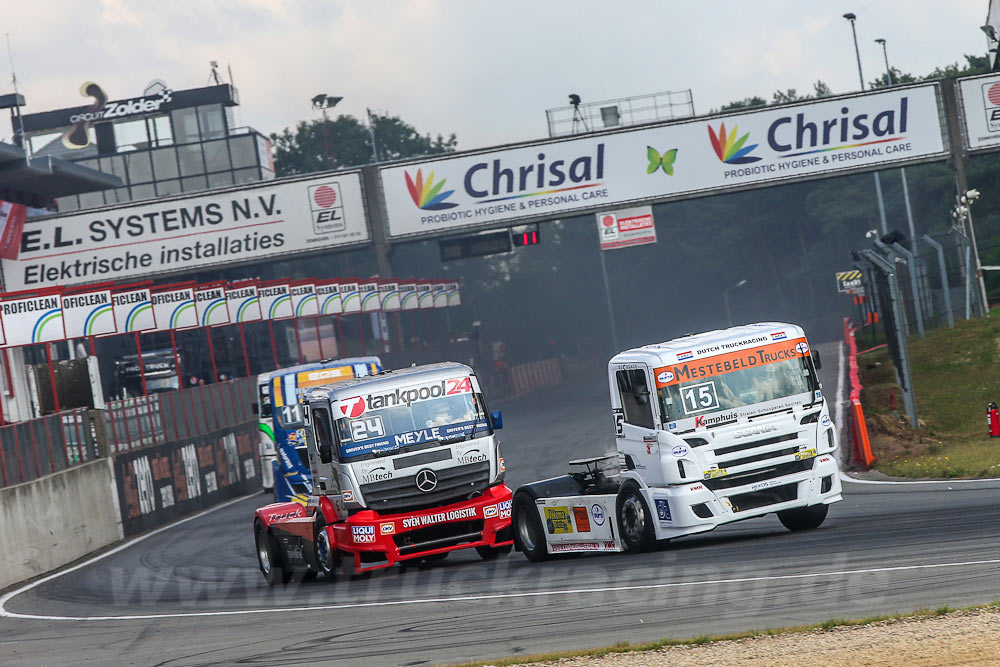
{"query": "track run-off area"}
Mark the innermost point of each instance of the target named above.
(191, 594)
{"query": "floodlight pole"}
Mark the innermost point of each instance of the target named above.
(861, 78)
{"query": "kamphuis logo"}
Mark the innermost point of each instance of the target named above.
(729, 149)
(426, 195)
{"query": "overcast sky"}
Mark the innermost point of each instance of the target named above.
(485, 70)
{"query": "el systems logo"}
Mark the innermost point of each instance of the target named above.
(427, 195)
(729, 149)
(327, 208)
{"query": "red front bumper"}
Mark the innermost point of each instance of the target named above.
(377, 540)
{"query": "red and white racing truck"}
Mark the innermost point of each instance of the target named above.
(710, 428)
(405, 465)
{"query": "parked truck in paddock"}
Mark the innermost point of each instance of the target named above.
(710, 428)
(405, 466)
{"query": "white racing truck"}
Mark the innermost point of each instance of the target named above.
(711, 428)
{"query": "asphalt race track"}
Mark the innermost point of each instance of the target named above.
(191, 593)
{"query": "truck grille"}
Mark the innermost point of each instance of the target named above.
(440, 536)
(454, 485)
(754, 476)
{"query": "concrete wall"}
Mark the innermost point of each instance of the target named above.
(52, 521)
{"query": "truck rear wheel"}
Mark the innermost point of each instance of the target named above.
(268, 558)
(803, 518)
(528, 534)
(635, 521)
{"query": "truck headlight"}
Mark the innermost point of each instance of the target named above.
(501, 467)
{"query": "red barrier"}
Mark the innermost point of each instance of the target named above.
(861, 452)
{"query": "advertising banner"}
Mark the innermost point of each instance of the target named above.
(174, 308)
(133, 310)
(12, 218)
(736, 150)
(626, 227)
(369, 296)
(425, 294)
(304, 299)
(328, 294)
(454, 298)
(408, 298)
(210, 304)
(32, 319)
(980, 101)
(389, 295)
(275, 301)
(246, 224)
(440, 295)
(350, 297)
(243, 303)
(88, 314)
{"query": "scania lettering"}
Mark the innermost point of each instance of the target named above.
(396, 481)
(710, 428)
(283, 457)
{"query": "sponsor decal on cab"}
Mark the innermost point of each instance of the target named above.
(363, 534)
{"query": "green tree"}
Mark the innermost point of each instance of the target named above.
(897, 78)
(303, 149)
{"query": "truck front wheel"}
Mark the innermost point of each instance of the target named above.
(635, 522)
(326, 555)
(803, 518)
(528, 535)
(268, 558)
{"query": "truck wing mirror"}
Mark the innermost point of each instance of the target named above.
(496, 419)
(255, 409)
(816, 362)
(325, 454)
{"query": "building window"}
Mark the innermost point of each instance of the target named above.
(191, 160)
(243, 150)
(159, 131)
(217, 155)
(165, 163)
(185, 125)
(131, 135)
(139, 167)
(220, 180)
(168, 187)
(194, 183)
(212, 122)
(251, 175)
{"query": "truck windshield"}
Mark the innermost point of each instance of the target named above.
(762, 384)
(389, 429)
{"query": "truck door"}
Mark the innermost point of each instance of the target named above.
(637, 439)
(326, 478)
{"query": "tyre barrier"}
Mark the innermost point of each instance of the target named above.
(861, 452)
(534, 375)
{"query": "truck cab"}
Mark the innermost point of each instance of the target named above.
(406, 466)
(709, 429)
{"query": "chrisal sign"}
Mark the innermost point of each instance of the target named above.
(719, 364)
(88, 314)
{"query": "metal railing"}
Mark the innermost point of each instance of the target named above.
(32, 449)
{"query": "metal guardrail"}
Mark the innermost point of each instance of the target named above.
(32, 449)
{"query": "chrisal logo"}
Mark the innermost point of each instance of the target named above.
(353, 407)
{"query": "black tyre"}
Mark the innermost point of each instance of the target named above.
(804, 518)
(528, 534)
(436, 558)
(635, 521)
(492, 553)
(326, 554)
(268, 558)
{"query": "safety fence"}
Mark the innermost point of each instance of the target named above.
(32, 449)
(534, 375)
(861, 451)
(144, 421)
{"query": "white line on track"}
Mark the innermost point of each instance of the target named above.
(505, 596)
(121, 547)
(987, 480)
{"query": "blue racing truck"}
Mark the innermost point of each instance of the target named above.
(284, 461)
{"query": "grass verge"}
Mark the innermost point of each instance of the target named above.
(956, 373)
(623, 647)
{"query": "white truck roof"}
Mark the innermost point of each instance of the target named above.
(709, 343)
(393, 378)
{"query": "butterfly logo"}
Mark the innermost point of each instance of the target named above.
(657, 161)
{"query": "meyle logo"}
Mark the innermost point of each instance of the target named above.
(729, 149)
(684, 356)
(779, 336)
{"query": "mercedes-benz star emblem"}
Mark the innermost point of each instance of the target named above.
(426, 480)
